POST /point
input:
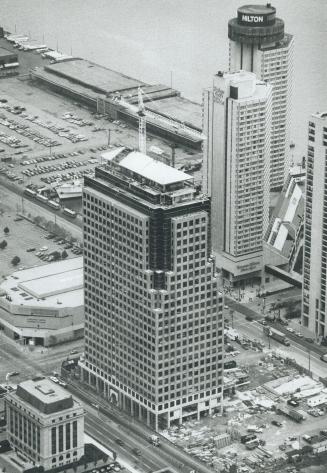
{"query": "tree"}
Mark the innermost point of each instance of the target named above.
(56, 255)
(37, 220)
(6, 230)
(15, 260)
(3, 244)
(64, 254)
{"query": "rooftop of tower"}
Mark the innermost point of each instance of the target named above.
(43, 395)
(256, 24)
(257, 9)
(146, 179)
(242, 86)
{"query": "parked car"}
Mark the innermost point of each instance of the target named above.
(293, 402)
(137, 451)
(276, 423)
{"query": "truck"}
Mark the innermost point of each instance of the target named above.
(154, 439)
(276, 335)
(248, 437)
(297, 415)
(252, 444)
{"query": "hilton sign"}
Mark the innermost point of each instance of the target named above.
(252, 19)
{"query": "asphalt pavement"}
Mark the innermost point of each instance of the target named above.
(134, 435)
(246, 311)
(304, 357)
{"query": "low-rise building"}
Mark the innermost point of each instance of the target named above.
(283, 241)
(44, 305)
(45, 424)
(8, 62)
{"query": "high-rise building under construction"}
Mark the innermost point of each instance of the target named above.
(153, 313)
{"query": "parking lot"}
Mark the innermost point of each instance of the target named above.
(46, 139)
(30, 243)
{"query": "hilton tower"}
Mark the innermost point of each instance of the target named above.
(259, 44)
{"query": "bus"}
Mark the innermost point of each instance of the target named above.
(42, 198)
(29, 192)
(276, 335)
(53, 204)
(69, 212)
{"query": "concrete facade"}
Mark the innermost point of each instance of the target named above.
(153, 313)
(314, 308)
(237, 118)
(45, 424)
(44, 305)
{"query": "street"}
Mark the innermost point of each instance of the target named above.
(304, 357)
(26, 206)
(103, 424)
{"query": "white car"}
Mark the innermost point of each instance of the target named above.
(54, 379)
(290, 329)
(44, 248)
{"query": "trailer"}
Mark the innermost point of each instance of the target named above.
(30, 192)
(54, 205)
(69, 212)
(42, 198)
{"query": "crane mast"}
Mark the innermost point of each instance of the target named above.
(142, 123)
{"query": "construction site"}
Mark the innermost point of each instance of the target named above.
(274, 416)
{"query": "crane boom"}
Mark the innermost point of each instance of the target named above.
(142, 123)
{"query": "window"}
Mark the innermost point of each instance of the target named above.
(67, 436)
(61, 438)
(53, 440)
(74, 434)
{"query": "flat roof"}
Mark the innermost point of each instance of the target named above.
(44, 395)
(5, 52)
(179, 109)
(111, 154)
(257, 9)
(54, 285)
(94, 76)
(155, 171)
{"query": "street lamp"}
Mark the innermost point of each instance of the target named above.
(231, 313)
(309, 353)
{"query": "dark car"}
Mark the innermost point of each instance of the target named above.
(283, 322)
(119, 441)
(276, 423)
(137, 451)
(30, 249)
(249, 318)
(308, 339)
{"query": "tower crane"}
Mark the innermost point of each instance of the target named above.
(151, 116)
(142, 122)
